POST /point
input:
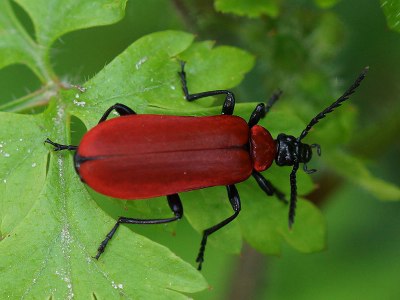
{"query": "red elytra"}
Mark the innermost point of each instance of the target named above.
(146, 156)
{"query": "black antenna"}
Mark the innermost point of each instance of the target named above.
(321, 115)
(334, 105)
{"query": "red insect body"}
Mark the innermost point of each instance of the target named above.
(145, 156)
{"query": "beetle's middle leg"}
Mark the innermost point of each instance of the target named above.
(174, 203)
(229, 103)
(235, 202)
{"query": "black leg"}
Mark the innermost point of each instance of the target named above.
(174, 203)
(59, 147)
(235, 202)
(257, 114)
(121, 109)
(229, 104)
(268, 187)
(261, 109)
(293, 194)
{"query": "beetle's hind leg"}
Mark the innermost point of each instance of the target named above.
(268, 187)
(234, 199)
(174, 203)
(59, 147)
(121, 109)
(229, 103)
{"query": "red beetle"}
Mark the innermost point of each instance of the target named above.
(146, 156)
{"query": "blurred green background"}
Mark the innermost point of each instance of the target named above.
(303, 45)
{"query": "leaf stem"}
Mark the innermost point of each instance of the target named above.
(35, 99)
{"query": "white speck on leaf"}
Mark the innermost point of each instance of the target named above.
(117, 286)
(79, 103)
(140, 62)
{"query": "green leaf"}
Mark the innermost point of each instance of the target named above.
(22, 168)
(67, 16)
(354, 170)
(264, 222)
(391, 9)
(254, 8)
(16, 46)
(210, 68)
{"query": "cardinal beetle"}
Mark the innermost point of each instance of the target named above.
(146, 156)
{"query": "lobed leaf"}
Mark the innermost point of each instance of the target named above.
(61, 17)
(16, 46)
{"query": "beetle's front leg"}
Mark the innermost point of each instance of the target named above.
(261, 109)
(229, 103)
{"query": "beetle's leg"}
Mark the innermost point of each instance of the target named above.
(268, 187)
(227, 107)
(59, 147)
(174, 203)
(235, 202)
(121, 109)
(261, 109)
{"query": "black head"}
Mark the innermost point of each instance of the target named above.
(292, 152)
